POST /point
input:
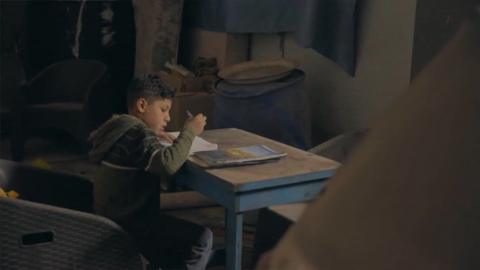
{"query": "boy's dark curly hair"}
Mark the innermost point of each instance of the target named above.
(148, 86)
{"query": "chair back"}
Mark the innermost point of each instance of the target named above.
(39, 236)
(65, 81)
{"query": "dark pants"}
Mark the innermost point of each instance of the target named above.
(169, 242)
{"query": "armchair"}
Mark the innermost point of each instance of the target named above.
(43, 229)
(56, 98)
(40, 236)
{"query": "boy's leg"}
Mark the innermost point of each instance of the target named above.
(170, 242)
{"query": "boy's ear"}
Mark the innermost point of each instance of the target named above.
(141, 105)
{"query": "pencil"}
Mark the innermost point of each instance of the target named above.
(189, 114)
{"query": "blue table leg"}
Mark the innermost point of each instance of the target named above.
(234, 224)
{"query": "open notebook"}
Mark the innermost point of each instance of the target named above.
(198, 145)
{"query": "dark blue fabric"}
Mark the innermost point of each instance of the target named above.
(278, 110)
(327, 26)
(243, 16)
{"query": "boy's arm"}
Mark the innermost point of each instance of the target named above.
(170, 159)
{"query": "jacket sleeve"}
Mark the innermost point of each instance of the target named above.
(169, 159)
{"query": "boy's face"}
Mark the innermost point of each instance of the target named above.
(156, 113)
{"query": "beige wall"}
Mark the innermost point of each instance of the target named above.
(339, 102)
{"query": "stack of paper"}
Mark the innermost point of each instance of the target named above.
(198, 145)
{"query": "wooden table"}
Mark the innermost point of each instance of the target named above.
(297, 177)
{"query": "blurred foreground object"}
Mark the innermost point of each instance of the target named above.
(409, 196)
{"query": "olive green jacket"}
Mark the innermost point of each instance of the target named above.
(130, 195)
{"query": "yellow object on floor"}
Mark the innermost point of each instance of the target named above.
(41, 164)
(10, 194)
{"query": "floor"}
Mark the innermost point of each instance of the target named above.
(59, 152)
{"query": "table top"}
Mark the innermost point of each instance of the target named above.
(297, 166)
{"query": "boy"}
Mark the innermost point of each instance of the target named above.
(132, 172)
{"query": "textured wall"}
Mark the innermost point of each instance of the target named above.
(11, 74)
(158, 24)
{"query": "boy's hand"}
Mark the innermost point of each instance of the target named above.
(196, 123)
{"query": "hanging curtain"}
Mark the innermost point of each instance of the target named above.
(327, 26)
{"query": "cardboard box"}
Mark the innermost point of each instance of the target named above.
(227, 48)
(195, 102)
(183, 84)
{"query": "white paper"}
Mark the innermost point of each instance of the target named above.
(198, 145)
